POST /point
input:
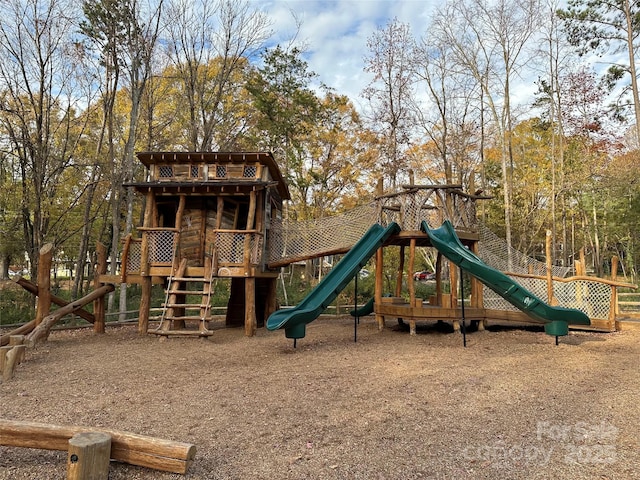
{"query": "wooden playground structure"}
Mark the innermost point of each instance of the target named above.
(211, 216)
(219, 215)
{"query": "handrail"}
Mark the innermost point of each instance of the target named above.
(613, 283)
(158, 229)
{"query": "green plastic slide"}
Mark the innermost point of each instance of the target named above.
(364, 310)
(556, 319)
(295, 320)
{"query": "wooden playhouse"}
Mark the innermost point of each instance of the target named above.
(207, 216)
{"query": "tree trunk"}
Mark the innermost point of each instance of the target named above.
(632, 66)
(5, 259)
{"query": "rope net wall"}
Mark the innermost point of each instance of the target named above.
(494, 252)
(293, 241)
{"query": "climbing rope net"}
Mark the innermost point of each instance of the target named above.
(293, 241)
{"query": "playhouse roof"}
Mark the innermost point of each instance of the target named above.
(178, 158)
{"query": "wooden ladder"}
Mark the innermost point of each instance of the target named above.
(177, 312)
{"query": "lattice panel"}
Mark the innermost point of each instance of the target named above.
(230, 247)
(592, 297)
(250, 171)
(162, 244)
(165, 171)
(134, 256)
(313, 238)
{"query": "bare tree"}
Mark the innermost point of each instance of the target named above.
(38, 105)
(208, 43)
(449, 116)
(390, 93)
(490, 40)
(554, 49)
(125, 35)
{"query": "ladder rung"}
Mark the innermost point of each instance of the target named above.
(184, 305)
(187, 317)
(187, 292)
(189, 279)
(195, 333)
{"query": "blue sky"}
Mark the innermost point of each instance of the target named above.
(335, 33)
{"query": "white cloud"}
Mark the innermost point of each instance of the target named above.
(335, 34)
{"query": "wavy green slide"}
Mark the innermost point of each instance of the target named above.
(556, 319)
(295, 320)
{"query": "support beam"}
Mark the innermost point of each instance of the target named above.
(99, 303)
(31, 287)
(411, 283)
(43, 306)
(379, 285)
(41, 332)
(250, 321)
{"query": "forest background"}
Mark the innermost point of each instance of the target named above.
(83, 86)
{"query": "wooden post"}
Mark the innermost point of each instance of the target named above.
(145, 305)
(4, 352)
(18, 341)
(150, 220)
(250, 322)
(439, 279)
(549, 264)
(379, 285)
(453, 291)
(477, 294)
(124, 258)
(398, 291)
(88, 456)
(44, 282)
(251, 218)
(613, 306)
(10, 356)
(411, 284)
(99, 302)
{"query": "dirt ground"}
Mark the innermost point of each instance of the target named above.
(511, 405)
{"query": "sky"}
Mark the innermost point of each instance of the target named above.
(335, 34)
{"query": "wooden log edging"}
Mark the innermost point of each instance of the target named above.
(131, 448)
(10, 356)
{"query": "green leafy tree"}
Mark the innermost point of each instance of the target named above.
(12, 244)
(209, 42)
(288, 111)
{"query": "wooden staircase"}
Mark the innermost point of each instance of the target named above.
(177, 313)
